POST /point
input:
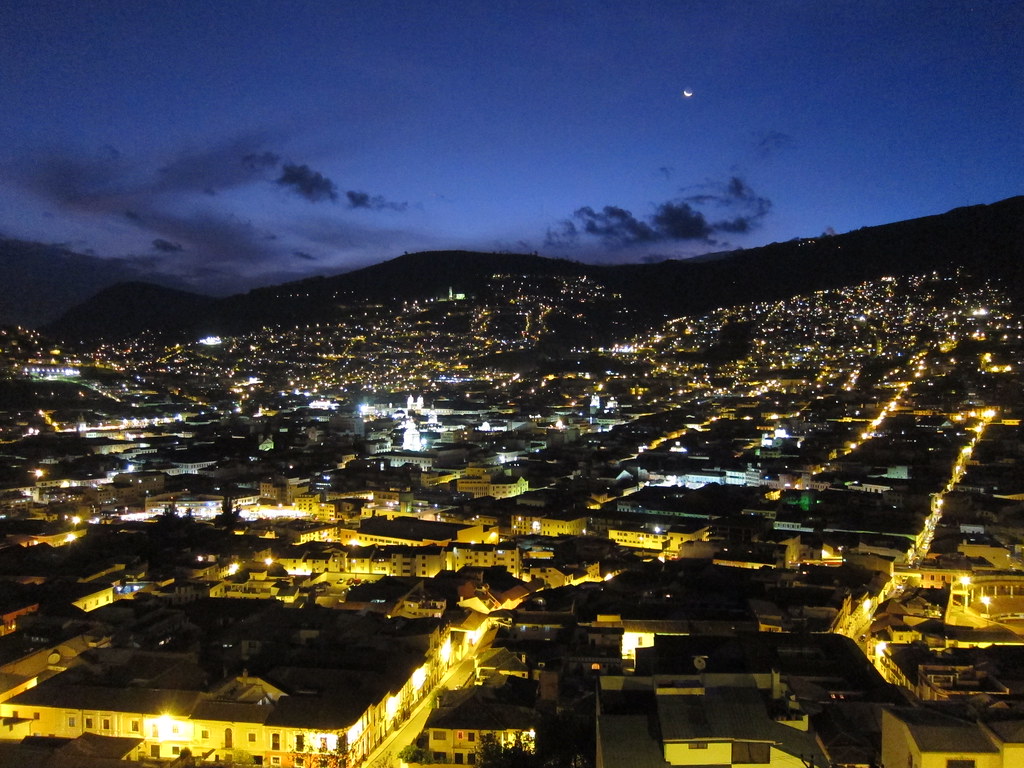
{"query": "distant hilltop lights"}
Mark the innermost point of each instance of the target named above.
(210, 341)
(323, 405)
(50, 371)
(453, 296)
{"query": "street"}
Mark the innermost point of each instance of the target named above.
(385, 754)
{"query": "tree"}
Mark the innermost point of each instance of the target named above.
(414, 754)
(493, 754)
(329, 758)
(566, 739)
(228, 517)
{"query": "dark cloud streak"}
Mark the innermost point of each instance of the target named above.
(372, 202)
(771, 143)
(166, 246)
(307, 183)
(258, 161)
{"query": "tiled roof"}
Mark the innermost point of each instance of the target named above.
(141, 700)
(232, 712)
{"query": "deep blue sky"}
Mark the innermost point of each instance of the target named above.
(236, 143)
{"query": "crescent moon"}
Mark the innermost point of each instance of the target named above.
(687, 94)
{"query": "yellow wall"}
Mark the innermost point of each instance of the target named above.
(715, 754)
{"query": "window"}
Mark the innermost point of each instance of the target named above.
(698, 745)
(275, 760)
(440, 736)
(275, 741)
(154, 751)
(751, 752)
(954, 763)
(35, 715)
(300, 743)
(105, 723)
(71, 722)
(460, 735)
(204, 734)
(88, 723)
(175, 750)
(471, 758)
(472, 735)
(459, 758)
(252, 737)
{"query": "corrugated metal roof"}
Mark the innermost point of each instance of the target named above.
(624, 741)
(936, 732)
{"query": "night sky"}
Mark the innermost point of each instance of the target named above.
(230, 144)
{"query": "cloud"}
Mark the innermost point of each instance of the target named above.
(562, 235)
(260, 160)
(511, 246)
(96, 182)
(771, 143)
(159, 216)
(373, 202)
(676, 220)
(614, 225)
(225, 165)
(310, 184)
(671, 220)
(747, 207)
(74, 181)
(215, 238)
(166, 246)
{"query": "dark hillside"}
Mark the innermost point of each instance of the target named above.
(987, 240)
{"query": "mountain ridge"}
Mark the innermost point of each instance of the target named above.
(986, 239)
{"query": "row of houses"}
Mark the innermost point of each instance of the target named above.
(291, 716)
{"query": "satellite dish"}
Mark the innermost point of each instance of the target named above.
(700, 662)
